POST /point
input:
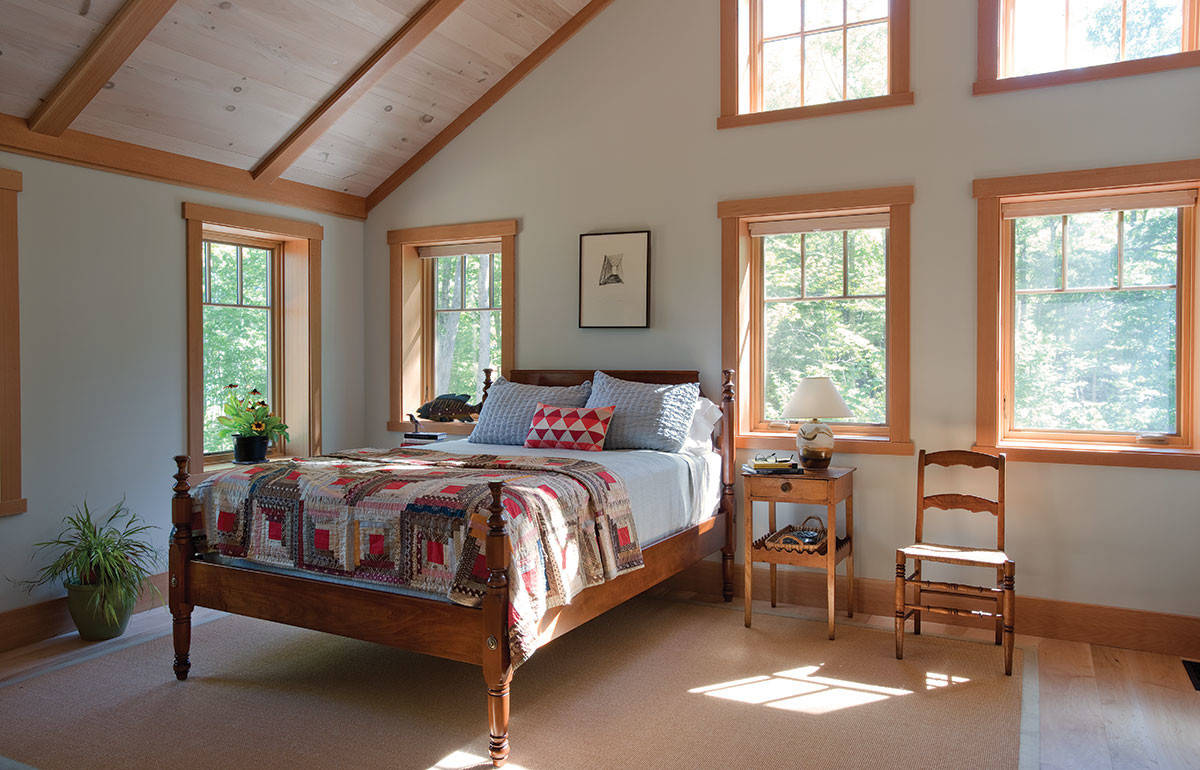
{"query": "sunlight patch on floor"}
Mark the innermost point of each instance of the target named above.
(803, 690)
(934, 681)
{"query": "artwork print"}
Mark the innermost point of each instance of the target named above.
(614, 280)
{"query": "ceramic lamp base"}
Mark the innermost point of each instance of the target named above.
(814, 445)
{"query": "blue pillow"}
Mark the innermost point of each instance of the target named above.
(648, 415)
(508, 410)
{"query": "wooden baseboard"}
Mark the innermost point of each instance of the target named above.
(1096, 624)
(28, 625)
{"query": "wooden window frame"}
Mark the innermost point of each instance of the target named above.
(297, 288)
(411, 303)
(994, 352)
(276, 247)
(995, 50)
(741, 69)
(741, 343)
(11, 502)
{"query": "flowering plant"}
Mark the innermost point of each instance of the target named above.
(249, 416)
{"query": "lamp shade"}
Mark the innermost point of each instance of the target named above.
(816, 397)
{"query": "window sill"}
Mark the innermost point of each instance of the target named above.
(857, 445)
(816, 110)
(12, 507)
(1094, 454)
(1084, 74)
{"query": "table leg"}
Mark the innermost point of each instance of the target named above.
(850, 555)
(831, 561)
(747, 561)
(771, 528)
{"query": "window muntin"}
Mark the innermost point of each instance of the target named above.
(1093, 324)
(466, 321)
(1051, 35)
(239, 327)
(824, 312)
(807, 52)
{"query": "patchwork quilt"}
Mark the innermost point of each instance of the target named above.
(417, 519)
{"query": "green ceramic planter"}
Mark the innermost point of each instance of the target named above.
(89, 618)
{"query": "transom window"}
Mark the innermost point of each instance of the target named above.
(1049, 35)
(824, 290)
(466, 322)
(1094, 324)
(240, 325)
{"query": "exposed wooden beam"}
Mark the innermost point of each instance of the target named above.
(115, 43)
(90, 151)
(506, 84)
(387, 56)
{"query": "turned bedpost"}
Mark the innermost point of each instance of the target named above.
(497, 662)
(487, 383)
(180, 555)
(728, 460)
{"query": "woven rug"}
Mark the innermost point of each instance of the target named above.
(653, 683)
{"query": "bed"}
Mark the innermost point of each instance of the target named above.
(678, 525)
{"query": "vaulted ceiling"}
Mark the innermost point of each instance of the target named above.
(349, 96)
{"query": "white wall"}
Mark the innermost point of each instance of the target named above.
(617, 131)
(103, 346)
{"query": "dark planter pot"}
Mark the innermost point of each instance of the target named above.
(249, 449)
(89, 615)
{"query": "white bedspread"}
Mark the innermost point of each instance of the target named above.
(668, 491)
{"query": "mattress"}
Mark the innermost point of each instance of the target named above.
(668, 491)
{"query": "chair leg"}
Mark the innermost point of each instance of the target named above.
(999, 620)
(917, 598)
(1009, 611)
(900, 566)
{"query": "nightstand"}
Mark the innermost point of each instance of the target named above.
(826, 487)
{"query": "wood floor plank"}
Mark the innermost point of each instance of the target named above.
(1125, 726)
(1170, 707)
(1072, 730)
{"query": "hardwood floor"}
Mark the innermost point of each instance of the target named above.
(1099, 707)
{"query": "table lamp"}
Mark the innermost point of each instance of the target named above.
(815, 397)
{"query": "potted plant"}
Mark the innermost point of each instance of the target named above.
(103, 565)
(251, 423)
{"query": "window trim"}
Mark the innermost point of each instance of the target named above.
(11, 502)
(993, 347)
(741, 345)
(410, 293)
(992, 29)
(298, 284)
(739, 63)
(276, 247)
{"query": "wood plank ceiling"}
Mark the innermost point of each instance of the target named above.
(334, 94)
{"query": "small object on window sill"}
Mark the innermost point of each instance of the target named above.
(450, 407)
(1152, 438)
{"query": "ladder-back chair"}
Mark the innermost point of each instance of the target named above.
(1001, 596)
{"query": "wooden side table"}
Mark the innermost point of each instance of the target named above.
(825, 487)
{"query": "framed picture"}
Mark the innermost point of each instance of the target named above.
(614, 280)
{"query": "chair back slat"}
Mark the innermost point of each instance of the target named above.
(958, 501)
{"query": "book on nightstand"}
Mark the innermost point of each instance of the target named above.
(423, 437)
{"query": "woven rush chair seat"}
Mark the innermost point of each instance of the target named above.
(954, 554)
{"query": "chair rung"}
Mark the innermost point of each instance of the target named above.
(952, 611)
(932, 586)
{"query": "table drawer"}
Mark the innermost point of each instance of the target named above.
(788, 489)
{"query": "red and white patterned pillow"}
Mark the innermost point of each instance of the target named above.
(569, 427)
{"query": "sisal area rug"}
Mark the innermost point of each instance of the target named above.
(653, 683)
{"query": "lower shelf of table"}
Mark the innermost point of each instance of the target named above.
(814, 558)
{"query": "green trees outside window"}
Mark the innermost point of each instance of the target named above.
(467, 329)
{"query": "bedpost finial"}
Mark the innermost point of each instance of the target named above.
(181, 476)
(487, 384)
(727, 385)
(496, 509)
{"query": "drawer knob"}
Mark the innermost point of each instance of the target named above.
(785, 486)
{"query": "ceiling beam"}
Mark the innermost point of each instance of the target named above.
(91, 151)
(416, 29)
(111, 48)
(503, 86)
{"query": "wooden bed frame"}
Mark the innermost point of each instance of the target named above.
(477, 635)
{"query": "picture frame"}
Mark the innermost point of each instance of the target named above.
(614, 280)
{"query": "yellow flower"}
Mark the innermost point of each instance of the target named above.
(258, 427)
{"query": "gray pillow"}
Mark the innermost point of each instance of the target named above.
(508, 411)
(647, 416)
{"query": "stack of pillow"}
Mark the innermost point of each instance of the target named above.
(606, 413)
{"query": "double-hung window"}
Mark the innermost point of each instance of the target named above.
(1028, 43)
(466, 325)
(785, 59)
(1087, 319)
(817, 285)
(241, 325)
